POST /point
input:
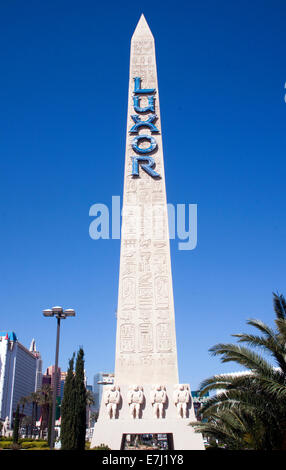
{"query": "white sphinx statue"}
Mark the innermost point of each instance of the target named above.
(6, 431)
(158, 399)
(111, 400)
(135, 399)
(181, 398)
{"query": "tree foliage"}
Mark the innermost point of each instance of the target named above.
(16, 425)
(68, 409)
(81, 402)
(40, 399)
(249, 410)
(73, 408)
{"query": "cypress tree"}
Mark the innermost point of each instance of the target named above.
(16, 426)
(80, 402)
(68, 410)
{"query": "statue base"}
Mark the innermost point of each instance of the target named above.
(113, 431)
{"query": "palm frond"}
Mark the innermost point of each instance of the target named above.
(249, 409)
(279, 306)
(281, 325)
(261, 326)
(243, 356)
(271, 345)
(215, 382)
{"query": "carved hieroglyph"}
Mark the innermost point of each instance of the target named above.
(146, 341)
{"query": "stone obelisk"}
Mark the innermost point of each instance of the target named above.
(146, 397)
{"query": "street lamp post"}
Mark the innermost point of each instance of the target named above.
(60, 314)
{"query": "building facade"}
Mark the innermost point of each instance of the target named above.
(50, 377)
(99, 380)
(198, 402)
(39, 373)
(19, 372)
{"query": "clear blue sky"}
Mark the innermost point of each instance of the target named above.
(63, 105)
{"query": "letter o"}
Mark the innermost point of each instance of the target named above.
(136, 141)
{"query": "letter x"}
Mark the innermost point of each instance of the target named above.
(139, 123)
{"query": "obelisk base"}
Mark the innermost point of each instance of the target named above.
(112, 431)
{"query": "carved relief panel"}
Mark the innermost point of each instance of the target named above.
(145, 337)
(128, 291)
(161, 291)
(160, 262)
(126, 315)
(164, 340)
(127, 337)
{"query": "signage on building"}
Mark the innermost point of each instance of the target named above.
(144, 154)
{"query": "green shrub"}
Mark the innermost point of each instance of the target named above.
(27, 445)
(5, 444)
(101, 447)
(31, 439)
(35, 445)
(31, 444)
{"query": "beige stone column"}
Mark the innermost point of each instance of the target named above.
(146, 341)
(146, 397)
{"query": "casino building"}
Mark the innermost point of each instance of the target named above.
(20, 374)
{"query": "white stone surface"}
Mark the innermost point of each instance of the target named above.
(146, 351)
(146, 341)
(110, 431)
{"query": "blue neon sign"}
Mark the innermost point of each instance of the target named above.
(147, 162)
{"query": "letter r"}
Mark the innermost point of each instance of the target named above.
(146, 167)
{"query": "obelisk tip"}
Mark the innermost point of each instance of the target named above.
(142, 28)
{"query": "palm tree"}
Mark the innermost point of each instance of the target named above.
(250, 410)
(27, 423)
(45, 402)
(22, 402)
(93, 417)
(89, 403)
(34, 399)
(89, 398)
(16, 425)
